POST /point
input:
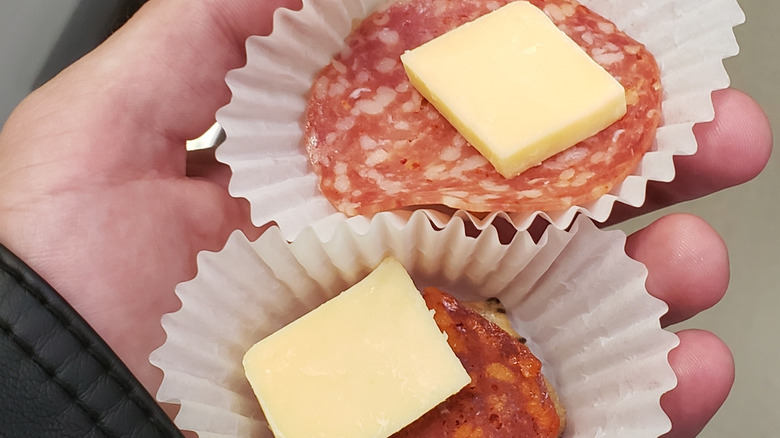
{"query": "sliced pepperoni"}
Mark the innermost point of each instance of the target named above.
(507, 397)
(377, 145)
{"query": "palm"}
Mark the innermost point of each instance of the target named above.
(120, 237)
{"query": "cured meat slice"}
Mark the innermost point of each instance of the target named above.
(507, 396)
(377, 145)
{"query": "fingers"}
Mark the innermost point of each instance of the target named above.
(194, 44)
(705, 373)
(735, 147)
(732, 149)
(687, 264)
(688, 268)
(164, 70)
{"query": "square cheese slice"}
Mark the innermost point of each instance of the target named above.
(515, 86)
(364, 364)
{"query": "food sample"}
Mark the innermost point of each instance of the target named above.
(508, 396)
(516, 87)
(376, 144)
(380, 360)
(364, 364)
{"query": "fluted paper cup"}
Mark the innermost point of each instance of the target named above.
(264, 121)
(575, 295)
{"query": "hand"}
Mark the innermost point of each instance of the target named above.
(97, 191)
(98, 194)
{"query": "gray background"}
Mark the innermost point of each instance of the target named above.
(31, 41)
(748, 318)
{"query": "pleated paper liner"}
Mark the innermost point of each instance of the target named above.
(264, 126)
(574, 294)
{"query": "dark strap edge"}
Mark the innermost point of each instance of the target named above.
(50, 300)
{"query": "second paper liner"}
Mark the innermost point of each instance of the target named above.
(264, 120)
(574, 294)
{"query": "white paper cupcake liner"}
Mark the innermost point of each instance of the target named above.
(263, 122)
(575, 295)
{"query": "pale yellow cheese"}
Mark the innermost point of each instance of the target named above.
(364, 364)
(515, 86)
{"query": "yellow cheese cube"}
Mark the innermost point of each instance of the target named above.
(364, 364)
(515, 86)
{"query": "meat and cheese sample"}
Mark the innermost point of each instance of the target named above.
(376, 144)
(515, 87)
(364, 364)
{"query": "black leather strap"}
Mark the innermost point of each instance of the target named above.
(58, 378)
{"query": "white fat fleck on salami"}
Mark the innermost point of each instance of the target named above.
(336, 89)
(471, 163)
(347, 206)
(587, 37)
(339, 67)
(345, 123)
(341, 184)
(413, 104)
(391, 187)
(566, 175)
(374, 175)
(554, 11)
(331, 138)
(401, 125)
(450, 153)
(386, 65)
(453, 198)
(439, 7)
(376, 144)
(363, 76)
(355, 94)
(581, 179)
(568, 9)
(340, 168)
(388, 36)
(530, 194)
(368, 143)
(377, 156)
(606, 27)
(598, 157)
(438, 172)
(403, 87)
(320, 87)
(375, 105)
(632, 50)
(608, 58)
(566, 159)
(493, 187)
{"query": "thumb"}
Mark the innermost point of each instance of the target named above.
(163, 71)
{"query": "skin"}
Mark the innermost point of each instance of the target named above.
(99, 196)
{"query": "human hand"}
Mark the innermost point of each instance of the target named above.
(98, 194)
(97, 191)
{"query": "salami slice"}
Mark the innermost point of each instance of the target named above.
(508, 396)
(376, 144)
